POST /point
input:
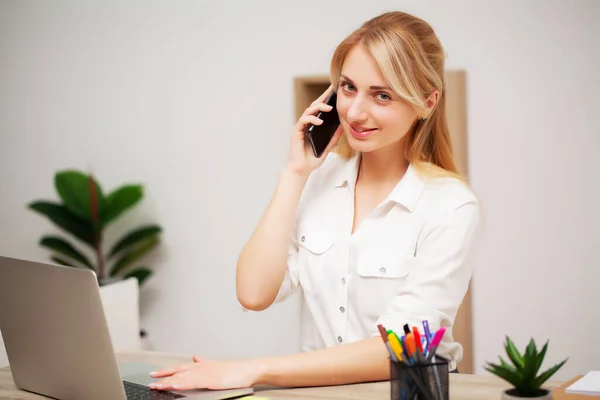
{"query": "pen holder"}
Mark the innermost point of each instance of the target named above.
(428, 381)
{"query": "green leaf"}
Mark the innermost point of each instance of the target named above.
(539, 381)
(134, 253)
(530, 360)
(511, 377)
(529, 363)
(506, 365)
(119, 201)
(65, 219)
(63, 247)
(540, 358)
(514, 354)
(134, 237)
(60, 261)
(141, 274)
(74, 189)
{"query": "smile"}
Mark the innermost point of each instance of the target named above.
(360, 132)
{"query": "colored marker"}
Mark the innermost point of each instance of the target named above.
(395, 345)
(427, 333)
(436, 342)
(418, 345)
(385, 338)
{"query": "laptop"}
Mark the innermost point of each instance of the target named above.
(57, 338)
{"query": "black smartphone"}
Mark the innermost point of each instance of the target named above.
(319, 136)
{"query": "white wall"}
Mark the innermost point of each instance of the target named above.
(194, 99)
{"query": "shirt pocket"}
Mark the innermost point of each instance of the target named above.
(380, 275)
(313, 245)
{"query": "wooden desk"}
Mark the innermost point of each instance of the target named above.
(462, 386)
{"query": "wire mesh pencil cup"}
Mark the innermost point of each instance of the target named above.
(420, 381)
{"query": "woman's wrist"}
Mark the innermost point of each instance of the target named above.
(293, 176)
(259, 369)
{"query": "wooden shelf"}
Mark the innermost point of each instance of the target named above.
(306, 90)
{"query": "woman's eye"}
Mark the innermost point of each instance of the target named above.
(384, 96)
(348, 87)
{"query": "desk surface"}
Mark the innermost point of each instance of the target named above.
(462, 386)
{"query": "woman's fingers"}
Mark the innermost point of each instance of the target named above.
(178, 377)
(304, 120)
(310, 119)
(167, 384)
(183, 380)
(162, 373)
(170, 371)
(324, 95)
(319, 103)
(315, 108)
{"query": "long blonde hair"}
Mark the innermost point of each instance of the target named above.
(411, 59)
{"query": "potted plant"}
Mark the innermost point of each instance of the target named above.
(84, 213)
(522, 372)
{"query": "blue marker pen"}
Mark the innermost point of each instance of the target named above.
(427, 333)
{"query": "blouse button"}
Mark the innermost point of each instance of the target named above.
(343, 281)
(382, 270)
(340, 339)
(303, 238)
(342, 310)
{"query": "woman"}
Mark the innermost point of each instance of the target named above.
(380, 229)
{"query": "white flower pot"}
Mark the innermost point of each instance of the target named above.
(120, 301)
(546, 396)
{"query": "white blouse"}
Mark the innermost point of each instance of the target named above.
(406, 262)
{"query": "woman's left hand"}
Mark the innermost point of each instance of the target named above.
(207, 374)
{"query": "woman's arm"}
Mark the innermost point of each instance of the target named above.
(262, 263)
(363, 361)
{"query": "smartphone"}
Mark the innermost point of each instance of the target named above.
(319, 136)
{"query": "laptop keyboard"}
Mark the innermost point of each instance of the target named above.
(141, 392)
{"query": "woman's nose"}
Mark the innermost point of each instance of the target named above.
(357, 111)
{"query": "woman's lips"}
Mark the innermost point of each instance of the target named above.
(361, 132)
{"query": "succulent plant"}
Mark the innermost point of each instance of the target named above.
(522, 372)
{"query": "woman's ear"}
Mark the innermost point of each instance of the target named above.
(432, 101)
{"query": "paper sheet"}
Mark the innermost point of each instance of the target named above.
(589, 384)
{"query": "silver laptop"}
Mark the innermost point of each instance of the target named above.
(57, 339)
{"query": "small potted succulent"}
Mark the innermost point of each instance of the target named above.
(522, 372)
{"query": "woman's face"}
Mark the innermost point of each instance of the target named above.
(371, 114)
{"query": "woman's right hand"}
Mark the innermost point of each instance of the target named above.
(301, 159)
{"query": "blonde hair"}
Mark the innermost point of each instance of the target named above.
(411, 59)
